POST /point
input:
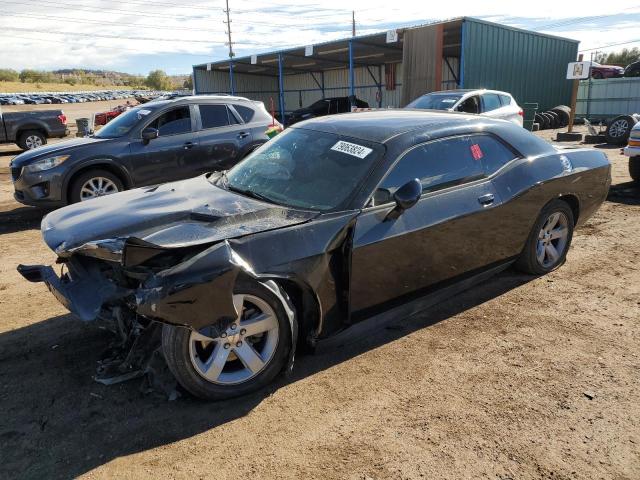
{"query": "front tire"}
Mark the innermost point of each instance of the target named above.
(548, 243)
(94, 183)
(634, 168)
(244, 358)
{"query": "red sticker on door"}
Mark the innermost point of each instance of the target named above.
(476, 152)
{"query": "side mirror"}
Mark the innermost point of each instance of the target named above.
(405, 197)
(149, 134)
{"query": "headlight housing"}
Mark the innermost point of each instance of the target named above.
(46, 163)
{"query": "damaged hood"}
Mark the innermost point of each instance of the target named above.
(177, 214)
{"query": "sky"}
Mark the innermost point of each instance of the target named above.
(137, 36)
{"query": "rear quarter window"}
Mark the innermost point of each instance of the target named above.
(505, 100)
(245, 113)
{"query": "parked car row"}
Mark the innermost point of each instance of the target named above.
(599, 71)
(75, 97)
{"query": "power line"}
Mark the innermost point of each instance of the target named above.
(99, 10)
(117, 37)
(104, 22)
(637, 40)
(106, 47)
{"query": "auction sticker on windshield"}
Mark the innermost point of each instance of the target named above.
(352, 149)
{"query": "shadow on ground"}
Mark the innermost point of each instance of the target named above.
(626, 193)
(20, 219)
(57, 423)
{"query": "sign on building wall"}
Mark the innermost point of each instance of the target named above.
(254, 59)
(208, 67)
(578, 70)
(392, 36)
(308, 50)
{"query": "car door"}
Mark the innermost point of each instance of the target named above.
(172, 155)
(450, 233)
(470, 104)
(491, 106)
(223, 137)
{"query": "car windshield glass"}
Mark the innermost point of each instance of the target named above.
(304, 168)
(123, 123)
(436, 101)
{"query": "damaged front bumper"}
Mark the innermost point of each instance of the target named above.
(83, 296)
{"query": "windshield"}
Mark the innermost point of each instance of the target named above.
(436, 101)
(305, 168)
(123, 123)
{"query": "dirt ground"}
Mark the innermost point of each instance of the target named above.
(518, 378)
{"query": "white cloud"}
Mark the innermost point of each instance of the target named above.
(100, 33)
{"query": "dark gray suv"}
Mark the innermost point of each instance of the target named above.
(153, 143)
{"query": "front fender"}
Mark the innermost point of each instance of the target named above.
(97, 162)
(196, 292)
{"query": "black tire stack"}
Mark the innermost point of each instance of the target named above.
(557, 117)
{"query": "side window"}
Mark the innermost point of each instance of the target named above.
(439, 164)
(505, 100)
(245, 112)
(490, 101)
(493, 153)
(213, 116)
(173, 122)
(470, 105)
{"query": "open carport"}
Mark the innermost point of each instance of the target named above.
(389, 69)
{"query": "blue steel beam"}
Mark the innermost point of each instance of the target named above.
(352, 87)
(281, 88)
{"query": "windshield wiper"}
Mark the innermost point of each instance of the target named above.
(250, 193)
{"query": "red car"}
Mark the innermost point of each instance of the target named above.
(605, 71)
(105, 117)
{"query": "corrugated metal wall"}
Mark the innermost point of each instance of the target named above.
(608, 97)
(530, 66)
(302, 90)
(421, 57)
(449, 76)
(256, 87)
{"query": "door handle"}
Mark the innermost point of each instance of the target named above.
(243, 135)
(188, 145)
(486, 199)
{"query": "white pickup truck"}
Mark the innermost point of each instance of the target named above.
(632, 150)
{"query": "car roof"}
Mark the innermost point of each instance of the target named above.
(466, 91)
(381, 126)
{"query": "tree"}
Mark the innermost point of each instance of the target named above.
(188, 83)
(622, 58)
(8, 75)
(159, 80)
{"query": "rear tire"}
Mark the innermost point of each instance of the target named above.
(31, 139)
(549, 241)
(634, 168)
(190, 359)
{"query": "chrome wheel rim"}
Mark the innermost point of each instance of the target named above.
(618, 128)
(33, 141)
(243, 350)
(552, 239)
(97, 187)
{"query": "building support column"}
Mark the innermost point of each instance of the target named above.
(232, 82)
(352, 87)
(281, 88)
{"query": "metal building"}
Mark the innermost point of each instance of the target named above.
(389, 69)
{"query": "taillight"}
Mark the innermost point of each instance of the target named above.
(521, 113)
(63, 118)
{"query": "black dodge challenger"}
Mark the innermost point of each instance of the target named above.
(335, 220)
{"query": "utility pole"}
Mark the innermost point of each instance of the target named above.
(353, 23)
(230, 43)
